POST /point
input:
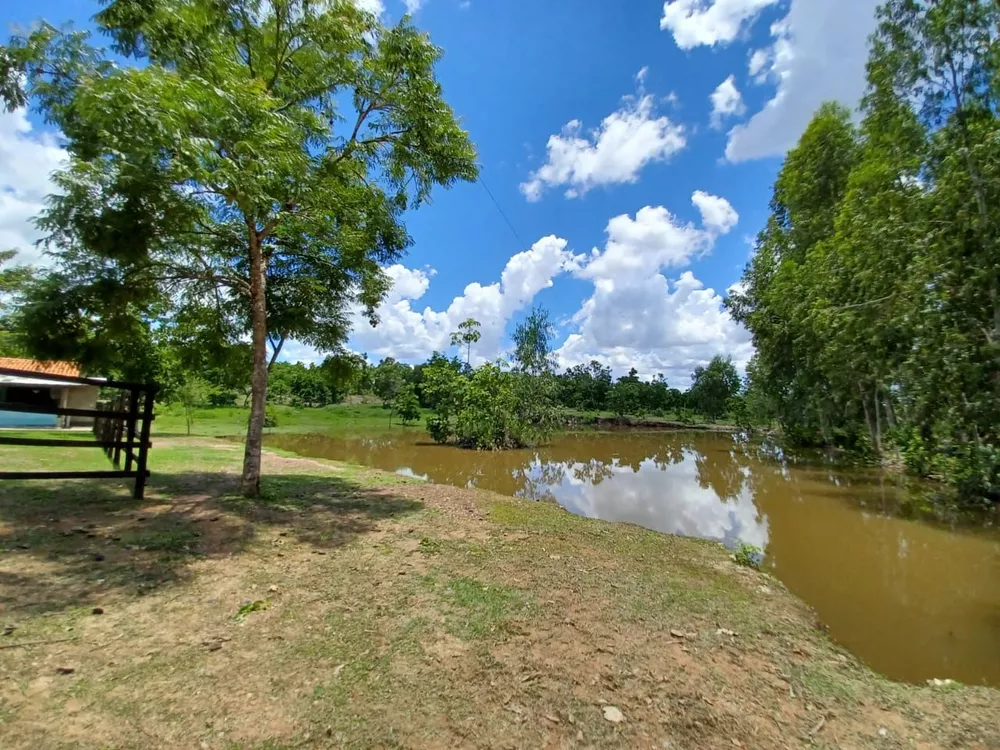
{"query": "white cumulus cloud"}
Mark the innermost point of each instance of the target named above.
(717, 214)
(636, 316)
(727, 101)
(818, 55)
(614, 153)
(372, 6)
(27, 161)
(411, 334)
(759, 59)
(412, 6)
(708, 22)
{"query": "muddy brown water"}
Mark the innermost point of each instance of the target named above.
(914, 595)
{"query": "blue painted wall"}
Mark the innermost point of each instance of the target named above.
(17, 419)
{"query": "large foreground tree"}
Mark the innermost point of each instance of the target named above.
(256, 160)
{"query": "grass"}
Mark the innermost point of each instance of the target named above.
(346, 607)
(232, 420)
(475, 609)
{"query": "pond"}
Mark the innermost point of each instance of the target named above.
(915, 597)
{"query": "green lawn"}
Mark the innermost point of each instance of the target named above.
(219, 421)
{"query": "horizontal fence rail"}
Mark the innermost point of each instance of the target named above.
(121, 428)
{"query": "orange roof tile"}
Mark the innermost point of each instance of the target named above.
(32, 365)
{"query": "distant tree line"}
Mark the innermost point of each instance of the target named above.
(196, 368)
(715, 391)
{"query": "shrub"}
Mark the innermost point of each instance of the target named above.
(493, 408)
(749, 556)
(193, 394)
(406, 405)
(439, 428)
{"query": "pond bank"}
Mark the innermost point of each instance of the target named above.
(349, 607)
(574, 422)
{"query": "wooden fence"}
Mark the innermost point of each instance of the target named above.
(121, 428)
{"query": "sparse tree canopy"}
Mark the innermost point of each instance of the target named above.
(533, 342)
(256, 159)
(466, 335)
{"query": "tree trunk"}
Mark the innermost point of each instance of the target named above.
(250, 484)
(890, 410)
(823, 426)
(878, 420)
(869, 420)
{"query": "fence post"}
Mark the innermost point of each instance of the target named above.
(133, 413)
(147, 420)
(116, 431)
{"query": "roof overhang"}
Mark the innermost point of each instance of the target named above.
(33, 383)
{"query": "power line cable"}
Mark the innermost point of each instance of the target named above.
(489, 192)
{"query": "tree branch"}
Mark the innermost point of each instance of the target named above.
(276, 348)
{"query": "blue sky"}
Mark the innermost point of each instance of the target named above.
(632, 146)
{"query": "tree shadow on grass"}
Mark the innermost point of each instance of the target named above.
(77, 543)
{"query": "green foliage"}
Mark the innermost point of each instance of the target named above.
(585, 387)
(502, 409)
(388, 379)
(748, 555)
(490, 408)
(712, 387)
(440, 428)
(301, 385)
(874, 294)
(626, 397)
(270, 417)
(253, 162)
(13, 280)
(406, 405)
(590, 388)
(346, 373)
(248, 608)
(466, 335)
(192, 395)
(533, 343)
(738, 412)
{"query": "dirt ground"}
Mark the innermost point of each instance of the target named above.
(349, 608)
